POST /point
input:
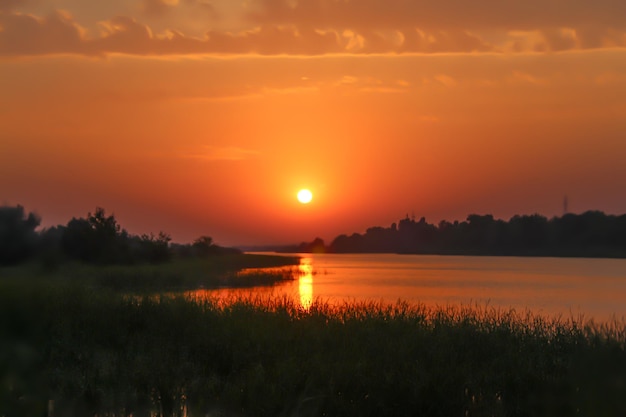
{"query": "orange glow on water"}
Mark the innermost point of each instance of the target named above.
(569, 287)
(305, 283)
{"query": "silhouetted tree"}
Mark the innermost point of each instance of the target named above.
(50, 247)
(592, 233)
(151, 248)
(78, 240)
(379, 239)
(341, 244)
(529, 233)
(348, 244)
(203, 246)
(97, 239)
(18, 239)
(316, 246)
(415, 237)
(616, 235)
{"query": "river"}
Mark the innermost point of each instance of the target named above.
(578, 287)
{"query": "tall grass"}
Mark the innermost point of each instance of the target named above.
(233, 270)
(82, 351)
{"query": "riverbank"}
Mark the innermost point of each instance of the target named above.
(232, 270)
(94, 352)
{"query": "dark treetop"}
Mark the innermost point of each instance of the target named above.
(590, 234)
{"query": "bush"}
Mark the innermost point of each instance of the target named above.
(18, 239)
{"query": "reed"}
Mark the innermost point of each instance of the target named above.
(89, 351)
(232, 270)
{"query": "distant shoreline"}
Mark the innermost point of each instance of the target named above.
(516, 255)
(592, 234)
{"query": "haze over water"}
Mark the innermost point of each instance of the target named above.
(591, 288)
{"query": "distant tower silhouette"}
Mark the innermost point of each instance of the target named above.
(565, 205)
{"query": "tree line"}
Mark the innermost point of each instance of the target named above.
(96, 239)
(590, 234)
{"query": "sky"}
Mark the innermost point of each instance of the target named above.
(205, 117)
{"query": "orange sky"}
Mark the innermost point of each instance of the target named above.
(206, 116)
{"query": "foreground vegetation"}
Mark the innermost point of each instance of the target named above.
(235, 270)
(88, 327)
(71, 350)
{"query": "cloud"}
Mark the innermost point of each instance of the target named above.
(318, 27)
(29, 35)
(158, 7)
(445, 80)
(368, 84)
(425, 26)
(362, 15)
(8, 5)
(58, 33)
(214, 153)
(23, 34)
(206, 4)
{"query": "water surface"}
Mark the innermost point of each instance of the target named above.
(592, 288)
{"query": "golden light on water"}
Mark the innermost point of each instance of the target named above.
(305, 283)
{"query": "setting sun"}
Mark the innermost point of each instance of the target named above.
(379, 108)
(466, 159)
(305, 196)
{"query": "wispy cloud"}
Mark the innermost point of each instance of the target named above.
(369, 84)
(11, 4)
(319, 27)
(445, 80)
(158, 7)
(443, 15)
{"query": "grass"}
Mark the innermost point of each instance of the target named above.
(235, 270)
(96, 352)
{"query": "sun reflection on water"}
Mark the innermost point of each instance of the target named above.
(305, 283)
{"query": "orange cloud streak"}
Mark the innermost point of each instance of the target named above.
(318, 27)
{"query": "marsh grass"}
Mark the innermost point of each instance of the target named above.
(233, 270)
(89, 351)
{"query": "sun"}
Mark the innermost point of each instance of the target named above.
(305, 196)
